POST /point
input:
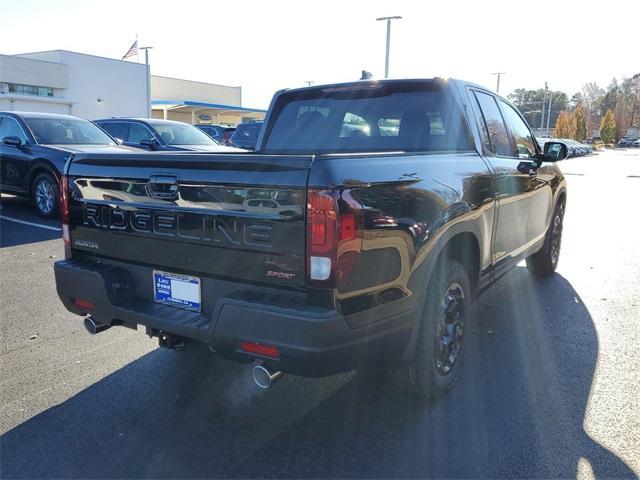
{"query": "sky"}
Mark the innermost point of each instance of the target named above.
(268, 45)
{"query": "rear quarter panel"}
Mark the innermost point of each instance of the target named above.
(411, 204)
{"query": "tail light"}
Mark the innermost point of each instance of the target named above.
(64, 210)
(334, 239)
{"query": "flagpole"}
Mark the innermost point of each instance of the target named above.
(148, 89)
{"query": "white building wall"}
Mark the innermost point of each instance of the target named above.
(100, 87)
(167, 88)
(33, 72)
(27, 103)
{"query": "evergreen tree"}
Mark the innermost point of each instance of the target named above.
(608, 127)
(581, 124)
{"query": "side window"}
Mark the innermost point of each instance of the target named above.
(138, 132)
(436, 124)
(389, 126)
(10, 128)
(500, 143)
(520, 133)
(354, 126)
(482, 126)
(115, 129)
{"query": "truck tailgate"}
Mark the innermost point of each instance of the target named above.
(232, 216)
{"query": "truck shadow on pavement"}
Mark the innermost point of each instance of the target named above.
(517, 411)
(13, 234)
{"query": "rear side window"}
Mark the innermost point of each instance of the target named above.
(116, 130)
(367, 117)
(520, 133)
(499, 142)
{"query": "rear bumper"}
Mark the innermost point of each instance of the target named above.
(312, 341)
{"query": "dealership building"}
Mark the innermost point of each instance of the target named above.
(91, 87)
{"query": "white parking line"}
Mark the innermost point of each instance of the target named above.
(31, 224)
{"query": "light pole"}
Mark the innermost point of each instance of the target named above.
(549, 113)
(386, 59)
(148, 89)
(544, 101)
(498, 83)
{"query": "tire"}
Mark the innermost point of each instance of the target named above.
(439, 350)
(545, 261)
(44, 195)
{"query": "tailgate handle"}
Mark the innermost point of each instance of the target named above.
(163, 187)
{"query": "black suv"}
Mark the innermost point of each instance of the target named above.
(156, 134)
(246, 135)
(34, 148)
(220, 133)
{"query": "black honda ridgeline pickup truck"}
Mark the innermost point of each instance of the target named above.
(357, 235)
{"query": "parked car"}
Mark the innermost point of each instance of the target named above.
(246, 135)
(636, 143)
(220, 133)
(578, 148)
(160, 135)
(327, 251)
(571, 149)
(34, 148)
(542, 140)
(626, 142)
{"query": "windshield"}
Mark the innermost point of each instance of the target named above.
(248, 131)
(72, 131)
(182, 134)
(410, 117)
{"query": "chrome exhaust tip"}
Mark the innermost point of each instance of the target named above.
(264, 377)
(94, 327)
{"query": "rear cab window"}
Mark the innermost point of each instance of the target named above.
(368, 117)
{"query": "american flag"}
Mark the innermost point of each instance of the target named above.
(132, 51)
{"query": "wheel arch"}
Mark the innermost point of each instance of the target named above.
(41, 166)
(461, 242)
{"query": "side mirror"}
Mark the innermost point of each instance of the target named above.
(13, 141)
(554, 152)
(152, 143)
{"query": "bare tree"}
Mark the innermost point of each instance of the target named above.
(591, 92)
(636, 98)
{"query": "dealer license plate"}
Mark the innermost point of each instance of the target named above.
(177, 290)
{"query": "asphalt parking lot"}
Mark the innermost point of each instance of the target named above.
(550, 387)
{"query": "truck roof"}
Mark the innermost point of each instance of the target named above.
(387, 81)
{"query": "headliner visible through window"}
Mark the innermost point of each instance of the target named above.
(393, 119)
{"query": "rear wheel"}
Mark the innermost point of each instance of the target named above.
(545, 261)
(44, 195)
(447, 310)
